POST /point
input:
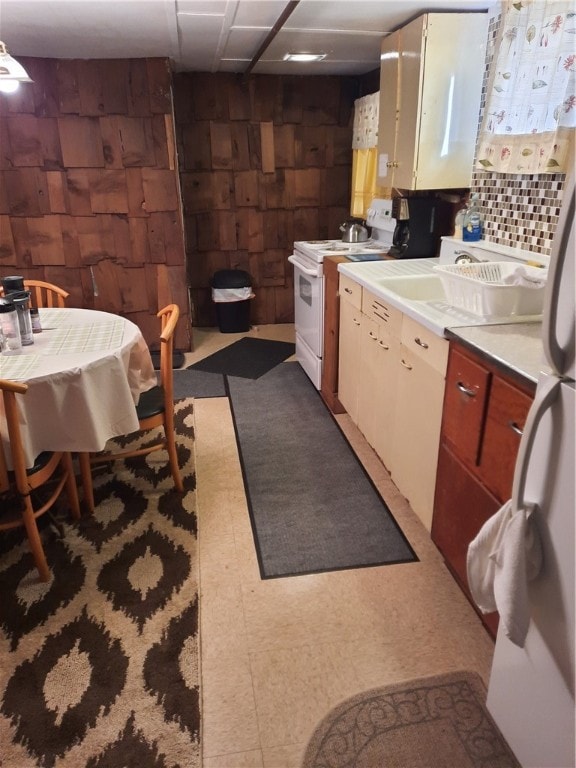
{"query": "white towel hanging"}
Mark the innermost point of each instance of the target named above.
(506, 555)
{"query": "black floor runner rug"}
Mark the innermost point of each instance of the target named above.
(249, 358)
(188, 383)
(312, 505)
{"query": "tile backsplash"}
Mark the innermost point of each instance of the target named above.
(519, 210)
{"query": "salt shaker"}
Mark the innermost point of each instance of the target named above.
(36, 323)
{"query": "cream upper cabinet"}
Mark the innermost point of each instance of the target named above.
(431, 77)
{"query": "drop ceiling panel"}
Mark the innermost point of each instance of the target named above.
(213, 35)
(200, 42)
(210, 7)
(337, 46)
(259, 13)
(72, 29)
(366, 15)
(243, 43)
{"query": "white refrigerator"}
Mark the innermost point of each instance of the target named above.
(531, 689)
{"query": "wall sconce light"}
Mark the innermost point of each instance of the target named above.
(11, 73)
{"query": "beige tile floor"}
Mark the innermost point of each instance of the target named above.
(277, 655)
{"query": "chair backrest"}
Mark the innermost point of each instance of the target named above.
(44, 294)
(169, 318)
(9, 391)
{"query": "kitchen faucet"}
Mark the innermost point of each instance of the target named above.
(463, 257)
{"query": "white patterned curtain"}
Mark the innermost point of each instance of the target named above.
(364, 153)
(530, 112)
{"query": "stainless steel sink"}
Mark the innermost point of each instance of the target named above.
(414, 287)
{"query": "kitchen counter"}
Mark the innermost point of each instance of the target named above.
(516, 348)
(514, 344)
(432, 311)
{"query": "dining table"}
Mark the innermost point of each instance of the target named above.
(85, 372)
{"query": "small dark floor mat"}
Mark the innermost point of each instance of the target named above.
(177, 359)
(196, 384)
(247, 358)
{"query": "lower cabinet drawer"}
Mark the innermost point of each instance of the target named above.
(381, 312)
(505, 420)
(425, 344)
(351, 291)
(467, 387)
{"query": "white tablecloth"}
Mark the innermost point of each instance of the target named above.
(85, 373)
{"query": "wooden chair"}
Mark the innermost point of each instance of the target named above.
(17, 485)
(44, 294)
(155, 409)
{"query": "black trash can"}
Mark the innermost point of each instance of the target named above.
(231, 294)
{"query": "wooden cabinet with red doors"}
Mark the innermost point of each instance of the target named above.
(485, 409)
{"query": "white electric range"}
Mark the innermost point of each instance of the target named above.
(307, 259)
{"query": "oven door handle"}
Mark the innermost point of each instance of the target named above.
(306, 270)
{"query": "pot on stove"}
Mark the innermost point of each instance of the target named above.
(355, 231)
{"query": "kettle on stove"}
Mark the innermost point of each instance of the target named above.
(355, 231)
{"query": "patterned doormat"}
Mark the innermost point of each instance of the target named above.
(434, 722)
(100, 666)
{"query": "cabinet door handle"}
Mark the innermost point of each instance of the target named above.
(356, 322)
(515, 428)
(466, 390)
(421, 343)
(406, 365)
(372, 335)
(347, 290)
(384, 346)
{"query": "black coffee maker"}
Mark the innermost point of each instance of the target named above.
(420, 222)
(401, 236)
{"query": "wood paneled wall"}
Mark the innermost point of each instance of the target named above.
(264, 161)
(89, 190)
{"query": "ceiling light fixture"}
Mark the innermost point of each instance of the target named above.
(11, 72)
(304, 57)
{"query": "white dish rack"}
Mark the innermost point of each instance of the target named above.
(494, 289)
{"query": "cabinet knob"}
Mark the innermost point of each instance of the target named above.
(421, 343)
(466, 390)
(347, 290)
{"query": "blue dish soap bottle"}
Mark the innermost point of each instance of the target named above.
(472, 224)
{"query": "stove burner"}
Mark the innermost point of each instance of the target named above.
(317, 242)
(338, 247)
(372, 247)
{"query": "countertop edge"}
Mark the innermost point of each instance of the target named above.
(516, 349)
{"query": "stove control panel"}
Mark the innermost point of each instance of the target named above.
(379, 214)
